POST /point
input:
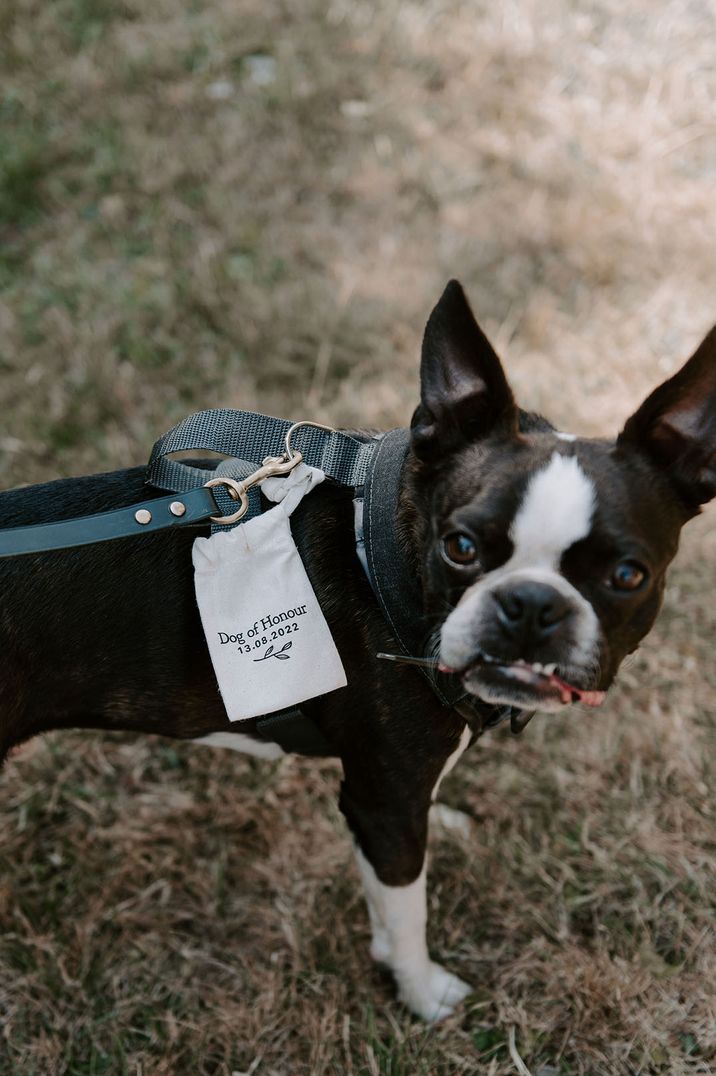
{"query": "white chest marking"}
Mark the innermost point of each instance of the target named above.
(556, 512)
(236, 741)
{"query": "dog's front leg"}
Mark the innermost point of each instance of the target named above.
(391, 854)
(399, 918)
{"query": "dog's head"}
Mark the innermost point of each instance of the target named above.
(545, 554)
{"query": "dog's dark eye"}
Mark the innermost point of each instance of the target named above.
(628, 575)
(459, 548)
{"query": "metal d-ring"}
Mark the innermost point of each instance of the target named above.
(237, 492)
(297, 425)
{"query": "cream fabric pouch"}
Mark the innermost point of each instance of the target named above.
(269, 642)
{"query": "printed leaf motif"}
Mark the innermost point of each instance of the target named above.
(282, 656)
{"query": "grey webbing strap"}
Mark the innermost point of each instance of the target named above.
(242, 434)
(246, 435)
(394, 584)
(247, 438)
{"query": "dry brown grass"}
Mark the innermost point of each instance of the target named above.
(255, 205)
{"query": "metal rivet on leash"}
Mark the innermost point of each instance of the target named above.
(143, 515)
(177, 508)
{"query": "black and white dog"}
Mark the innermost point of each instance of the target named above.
(541, 558)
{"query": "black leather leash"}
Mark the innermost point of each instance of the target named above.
(158, 514)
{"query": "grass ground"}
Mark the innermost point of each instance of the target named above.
(205, 204)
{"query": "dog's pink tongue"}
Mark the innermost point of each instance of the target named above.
(589, 698)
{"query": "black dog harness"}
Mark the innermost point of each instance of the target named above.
(255, 447)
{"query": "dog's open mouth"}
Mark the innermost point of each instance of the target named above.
(528, 682)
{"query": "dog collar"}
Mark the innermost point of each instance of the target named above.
(394, 580)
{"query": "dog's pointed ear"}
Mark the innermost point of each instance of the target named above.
(676, 426)
(464, 394)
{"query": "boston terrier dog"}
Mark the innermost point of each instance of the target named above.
(540, 557)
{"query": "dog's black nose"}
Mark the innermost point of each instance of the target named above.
(530, 611)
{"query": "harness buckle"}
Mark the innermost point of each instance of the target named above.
(271, 466)
(239, 491)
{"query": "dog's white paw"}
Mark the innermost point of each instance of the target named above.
(448, 987)
(434, 995)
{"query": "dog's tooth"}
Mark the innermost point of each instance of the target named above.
(549, 669)
(537, 666)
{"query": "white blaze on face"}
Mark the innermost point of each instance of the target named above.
(556, 512)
